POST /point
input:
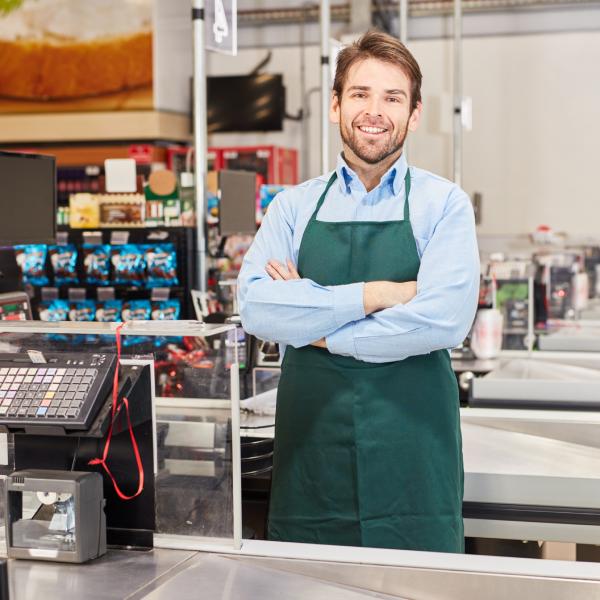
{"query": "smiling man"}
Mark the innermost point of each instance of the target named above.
(366, 277)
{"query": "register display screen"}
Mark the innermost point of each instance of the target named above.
(27, 199)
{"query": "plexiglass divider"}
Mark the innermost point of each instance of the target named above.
(195, 411)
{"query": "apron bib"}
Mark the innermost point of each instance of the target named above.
(366, 454)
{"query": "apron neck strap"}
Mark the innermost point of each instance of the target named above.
(406, 194)
(322, 198)
(334, 177)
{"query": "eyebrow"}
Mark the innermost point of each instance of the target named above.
(366, 88)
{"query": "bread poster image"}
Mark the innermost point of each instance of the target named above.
(75, 54)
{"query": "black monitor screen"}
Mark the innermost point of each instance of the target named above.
(245, 103)
(27, 199)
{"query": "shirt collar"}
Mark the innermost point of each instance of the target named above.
(394, 176)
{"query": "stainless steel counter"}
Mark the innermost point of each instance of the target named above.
(118, 574)
(318, 573)
(223, 577)
(167, 574)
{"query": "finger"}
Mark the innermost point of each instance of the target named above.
(273, 274)
(280, 269)
(292, 269)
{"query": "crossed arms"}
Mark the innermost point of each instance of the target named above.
(374, 321)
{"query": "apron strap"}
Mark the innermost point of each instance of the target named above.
(322, 198)
(406, 193)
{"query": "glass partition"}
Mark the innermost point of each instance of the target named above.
(195, 411)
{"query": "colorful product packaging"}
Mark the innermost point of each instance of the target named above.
(161, 265)
(166, 310)
(54, 311)
(82, 310)
(64, 264)
(136, 310)
(32, 262)
(109, 311)
(129, 266)
(96, 263)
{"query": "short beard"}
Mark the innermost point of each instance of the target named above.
(350, 141)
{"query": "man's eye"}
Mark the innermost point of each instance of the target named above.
(358, 95)
(393, 99)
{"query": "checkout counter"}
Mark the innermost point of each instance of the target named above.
(513, 462)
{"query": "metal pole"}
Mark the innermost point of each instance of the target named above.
(457, 129)
(403, 30)
(236, 454)
(200, 141)
(325, 28)
(403, 19)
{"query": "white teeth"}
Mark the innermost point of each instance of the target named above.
(372, 129)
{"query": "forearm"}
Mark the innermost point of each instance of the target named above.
(420, 327)
(298, 312)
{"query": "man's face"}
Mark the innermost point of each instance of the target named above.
(374, 111)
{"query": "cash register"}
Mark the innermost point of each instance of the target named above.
(62, 394)
(58, 406)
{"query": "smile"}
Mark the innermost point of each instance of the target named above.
(371, 130)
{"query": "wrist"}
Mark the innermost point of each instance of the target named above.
(371, 297)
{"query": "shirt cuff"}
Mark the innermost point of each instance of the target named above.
(348, 303)
(342, 341)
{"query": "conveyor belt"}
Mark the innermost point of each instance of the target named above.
(540, 384)
(573, 339)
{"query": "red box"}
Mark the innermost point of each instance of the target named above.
(272, 163)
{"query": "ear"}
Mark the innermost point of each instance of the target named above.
(415, 117)
(334, 108)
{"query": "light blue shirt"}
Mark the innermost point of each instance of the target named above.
(299, 312)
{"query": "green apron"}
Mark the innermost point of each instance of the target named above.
(366, 454)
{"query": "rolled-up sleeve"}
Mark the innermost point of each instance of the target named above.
(295, 312)
(442, 312)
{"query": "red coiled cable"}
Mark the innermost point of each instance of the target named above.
(136, 452)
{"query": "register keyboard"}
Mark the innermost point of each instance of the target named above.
(66, 391)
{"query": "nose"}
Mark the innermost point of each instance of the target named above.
(374, 107)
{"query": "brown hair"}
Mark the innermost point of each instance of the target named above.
(384, 47)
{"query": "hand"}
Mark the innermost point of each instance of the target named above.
(379, 295)
(320, 343)
(277, 271)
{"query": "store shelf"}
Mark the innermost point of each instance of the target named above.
(84, 154)
(94, 127)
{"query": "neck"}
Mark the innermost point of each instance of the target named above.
(370, 175)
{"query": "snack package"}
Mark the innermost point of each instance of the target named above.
(83, 211)
(109, 311)
(128, 264)
(122, 210)
(161, 265)
(136, 310)
(166, 310)
(96, 263)
(82, 310)
(54, 310)
(32, 262)
(64, 264)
